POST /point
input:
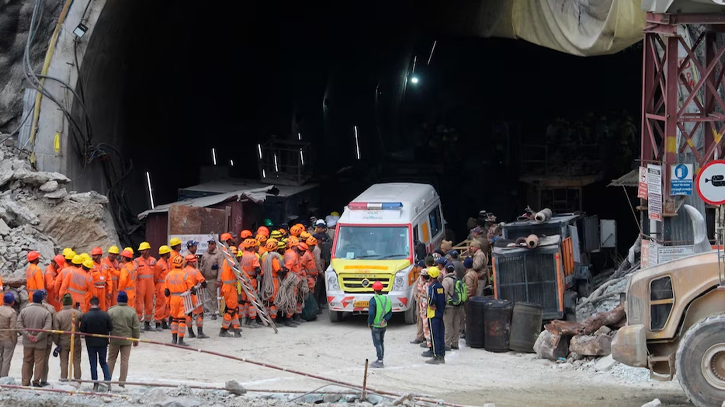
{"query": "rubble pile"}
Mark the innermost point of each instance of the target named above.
(38, 213)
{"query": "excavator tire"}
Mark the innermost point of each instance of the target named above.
(700, 362)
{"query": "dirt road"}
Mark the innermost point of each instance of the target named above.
(470, 376)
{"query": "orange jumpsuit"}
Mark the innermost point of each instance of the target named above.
(162, 309)
(61, 277)
(79, 284)
(198, 312)
(178, 282)
(102, 286)
(34, 279)
(112, 273)
(145, 288)
(127, 282)
(229, 292)
(292, 262)
(249, 263)
(276, 266)
(51, 275)
(310, 268)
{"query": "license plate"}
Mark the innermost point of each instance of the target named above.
(361, 304)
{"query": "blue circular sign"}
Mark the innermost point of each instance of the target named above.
(681, 171)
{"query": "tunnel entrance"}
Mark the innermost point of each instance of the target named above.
(165, 84)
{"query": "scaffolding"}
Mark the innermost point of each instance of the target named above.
(285, 162)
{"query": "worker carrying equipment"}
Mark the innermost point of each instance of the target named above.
(197, 314)
(176, 283)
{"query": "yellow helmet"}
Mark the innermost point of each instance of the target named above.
(282, 244)
(144, 246)
(77, 260)
(433, 272)
(129, 249)
(86, 256)
(334, 214)
(88, 263)
(70, 255)
(305, 235)
(164, 249)
(113, 250)
(174, 241)
(67, 251)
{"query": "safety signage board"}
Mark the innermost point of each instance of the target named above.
(681, 179)
(202, 239)
(710, 182)
(644, 258)
(654, 191)
(642, 184)
(669, 253)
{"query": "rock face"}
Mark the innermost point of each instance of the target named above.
(551, 346)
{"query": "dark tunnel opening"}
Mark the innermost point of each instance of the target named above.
(166, 84)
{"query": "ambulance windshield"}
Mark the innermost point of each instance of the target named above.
(373, 242)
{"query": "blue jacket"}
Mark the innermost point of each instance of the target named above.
(437, 297)
(372, 311)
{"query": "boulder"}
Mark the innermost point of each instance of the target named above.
(591, 345)
(4, 228)
(551, 346)
(605, 364)
(61, 193)
(233, 387)
(331, 398)
(49, 186)
(655, 403)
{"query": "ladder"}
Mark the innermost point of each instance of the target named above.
(247, 286)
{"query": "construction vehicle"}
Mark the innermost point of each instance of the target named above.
(554, 273)
(676, 320)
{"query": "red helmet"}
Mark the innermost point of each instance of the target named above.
(96, 251)
(33, 255)
(59, 259)
(263, 230)
(127, 254)
(245, 234)
(302, 246)
(377, 286)
(190, 257)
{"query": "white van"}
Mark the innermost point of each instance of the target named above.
(375, 240)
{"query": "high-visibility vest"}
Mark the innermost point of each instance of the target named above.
(382, 307)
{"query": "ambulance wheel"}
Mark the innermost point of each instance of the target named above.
(335, 316)
(411, 317)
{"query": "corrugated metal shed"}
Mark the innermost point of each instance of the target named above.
(630, 179)
(255, 195)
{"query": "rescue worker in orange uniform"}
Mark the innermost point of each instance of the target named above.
(263, 230)
(50, 277)
(160, 272)
(101, 280)
(292, 263)
(272, 263)
(198, 313)
(109, 265)
(227, 238)
(262, 249)
(296, 230)
(33, 274)
(250, 265)
(145, 266)
(308, 264)
(68, 254)
(282, 275)
(128, 277)
(176, 283)
(175, 245)
(228, 284)
(246, 234)
(79, 283)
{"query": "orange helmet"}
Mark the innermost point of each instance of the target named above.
(305, 235)
(296, 229)
(263, 230)
(283, 232)
(261, 238)
(311, 241)
(249, 243)
(178, 261)
(59, 259)
(271, 245)
(190, 258)
(225, 237)
(33, 255)
(127, 254)
(96, 251)
(292, 241)
(302, 246)
(246, 234)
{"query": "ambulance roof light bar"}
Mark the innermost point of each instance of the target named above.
(363, 206)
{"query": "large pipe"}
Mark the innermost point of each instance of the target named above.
(699, 230)
(532, 242)
(543, 215)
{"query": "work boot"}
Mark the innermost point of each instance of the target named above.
(213, 317)
(174, 338)
(298, 319)
(164, 325)
(181, 342)
(447, 348)
(201, 334)
(454, 347)
(416, 341)
(237, 333)
(248, 323)
(424, 344)
(224, 333)
(427, 354)
(378, 364)
(286, 322)
(95, 386)
(36, 384)
(438, 360)
(146, 326)
(191, 333)
(158, 327)
(43, 384)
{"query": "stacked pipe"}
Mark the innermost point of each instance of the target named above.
(543, 215)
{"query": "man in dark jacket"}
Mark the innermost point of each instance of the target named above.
(97, 321)
(436, 308)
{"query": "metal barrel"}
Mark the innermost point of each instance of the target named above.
(526, 321)
(497, 325)
(474, 321)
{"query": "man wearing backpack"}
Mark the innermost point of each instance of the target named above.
(455, 293)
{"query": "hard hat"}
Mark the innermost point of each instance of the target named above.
(268, 223)
(77, 260)
(164, 249)
(33, 256)
(281, 244)
(305, 235)
(178, 261)
(261, 238)
(311, 241)
(321, 223)
(292, 241)
(332, 222)
(127, 254)
(96, 251)
(191, 243)
(67, 251)
(88, 263)
(262, 230)
(190, 258)
(302, 246)
(271, 244)
(144, 246)
(283, 231)
(86, 256)
(249, 243)
(334, 214)
(70, 255)
(224, 237)
(433, 272)
(276, 234)
(377, 286)
(131, 250)
(113, 249)
(233, 249)
(174, 241)
(245, 234)
(296, 230)
(59, 259)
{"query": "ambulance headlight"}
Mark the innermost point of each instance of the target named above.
(332, 283)
(400, 278)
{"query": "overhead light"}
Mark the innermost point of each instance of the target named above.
(276, 167)
(231, 163)
(302, 157)
(264, 173)
(299, 136)
(80, 30)
(357, 145)
(151, 195)
(213, 155)
(259, 150)
(414, 79)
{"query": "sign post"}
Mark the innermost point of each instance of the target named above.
(710, 182)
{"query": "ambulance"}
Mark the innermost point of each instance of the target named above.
(377, 238)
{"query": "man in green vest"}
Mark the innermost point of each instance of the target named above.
(380, 311)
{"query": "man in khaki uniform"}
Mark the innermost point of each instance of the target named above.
(480, 265)
(453, 314)
(211, 262)
(49, 348)
(8, 339)
(64, 322)
(125, 324)
(34, 316)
